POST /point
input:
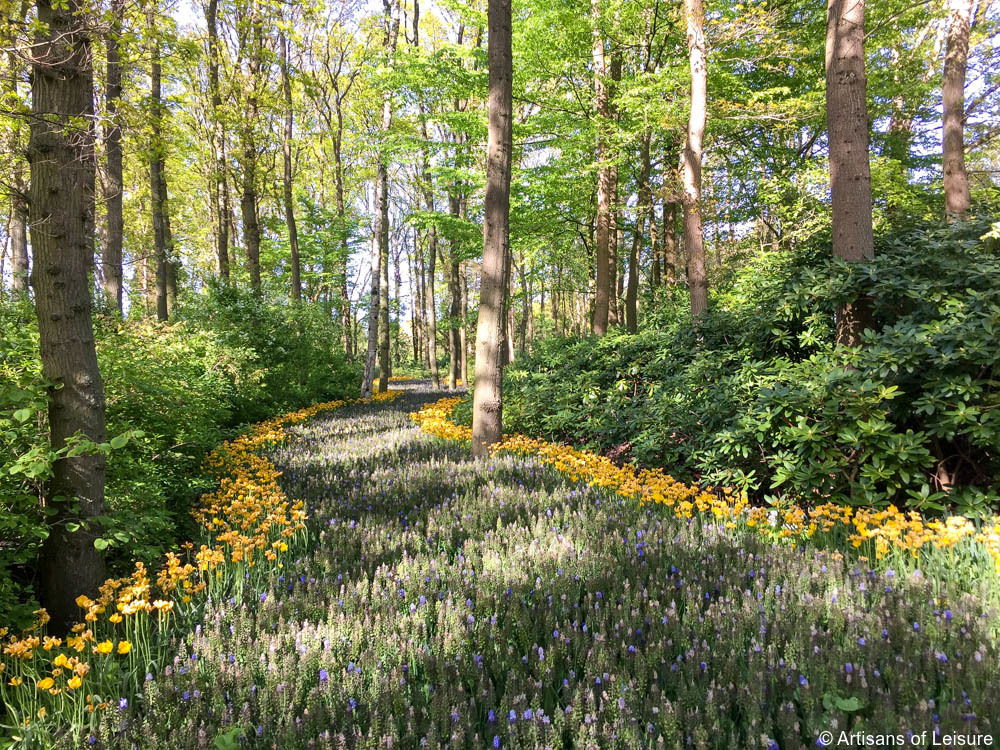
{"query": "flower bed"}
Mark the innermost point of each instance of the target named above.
(878, 533)
(50, 684)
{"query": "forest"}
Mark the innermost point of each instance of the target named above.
(481, 373)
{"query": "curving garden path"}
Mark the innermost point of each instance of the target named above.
(447, 603)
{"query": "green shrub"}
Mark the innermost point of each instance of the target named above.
(758, 396)
(173, 392)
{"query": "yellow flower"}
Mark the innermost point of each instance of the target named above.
(115, 618)
(15, 681)
(124, 647)
(60, 661)
(104, 648)
(46, 683)
(42, 712)
(74, 683)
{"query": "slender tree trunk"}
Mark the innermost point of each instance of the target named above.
(463, 334)
(656, 246)
(14, 143)
(605, 184)
(111, 249)
(642, 209)
(63, 168)
(454, 301)
(248, 209)
(168, 238)
(431, 306)
(342, 271)
(850, 175)
(373, 317)
(219, 180)
(487, 409)
(957, 200)
(670, 258)
(694, 240)
(391, 27)
(397, 308)
(156, 161)
(19, 241)
(286, 151)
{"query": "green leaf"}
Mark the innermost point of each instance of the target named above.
(23, 415)
(119, 441)
(101, 543)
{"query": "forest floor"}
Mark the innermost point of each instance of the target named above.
(456, 603)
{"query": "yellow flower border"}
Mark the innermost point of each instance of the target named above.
(884, 530)
(247, 519)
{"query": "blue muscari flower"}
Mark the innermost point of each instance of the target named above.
(861, 641)
(492, 716)
(197, 693)
(263, 596)
(512, 716)
(149, 676)
(704, 666)
(353, 703)
(947, 615)
(885, 633)
(916, 626)
(91, 740)
(186, 696)
(803, 681)
(123, 703)
(849, 668)
(496, 741)
(527, 713)
(323, 676)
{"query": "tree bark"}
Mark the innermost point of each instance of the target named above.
(432, 252)
(391, 27)
(605, 184)
(455, 303)
(248, 209)
(957, 200)
(850, 175)
(286, 152)
(463, 334)
(19, 241)
(111, 250)
(487, 408)
(373, 316)
(63, 170)
(156, 160)
(643, 209)
(694, 240)
(219, 180)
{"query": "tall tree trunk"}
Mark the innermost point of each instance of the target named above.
(342, 271)
(694, 240)
(156, 181)
(248, 209)
(19, 241)
(850, 175)
(957, 201)
(605, 183)
(431, 310)
(463, 334)
(286, 151)
(454, 300)
(63, 168)
(219, 180)
(391, 28)
(397, 307)
(487, 404)
(168, 239)
(18, 227)
(670, 255)
(643, 209)
(373, 317)
(111, 250)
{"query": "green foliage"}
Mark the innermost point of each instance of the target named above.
(759, 397)
(173, 392)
